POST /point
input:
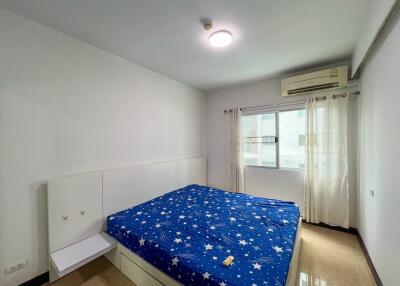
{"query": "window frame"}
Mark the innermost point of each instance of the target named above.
(276, 111)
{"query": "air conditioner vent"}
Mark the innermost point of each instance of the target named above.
(313, 88)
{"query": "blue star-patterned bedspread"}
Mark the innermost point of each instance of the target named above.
(188, 233)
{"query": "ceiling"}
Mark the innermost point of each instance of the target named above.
(271, 37)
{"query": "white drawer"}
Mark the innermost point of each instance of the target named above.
(137, 274)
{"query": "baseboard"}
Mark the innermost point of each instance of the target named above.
(375, 274)
(354, 231)
(38, 280)
(350, 230)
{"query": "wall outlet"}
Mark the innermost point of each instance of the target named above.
(16, 266)
(371, 192)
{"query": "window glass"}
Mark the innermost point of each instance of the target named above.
(292, 139)
(259, 134)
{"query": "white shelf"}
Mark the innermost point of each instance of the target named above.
(78, 254)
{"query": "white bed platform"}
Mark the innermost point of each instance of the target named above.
(78, 206)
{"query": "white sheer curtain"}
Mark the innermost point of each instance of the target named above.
(237, 166)
(326, 176)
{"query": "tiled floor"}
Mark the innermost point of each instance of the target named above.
(97, 273)
(332, 258)
(327, 258)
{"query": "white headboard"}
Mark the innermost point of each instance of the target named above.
(123, 188)
(78, 204)
(74, 208)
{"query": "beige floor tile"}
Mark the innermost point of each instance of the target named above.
(100, 272)
(332, 258)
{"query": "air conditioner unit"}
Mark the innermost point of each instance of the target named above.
(321, 80)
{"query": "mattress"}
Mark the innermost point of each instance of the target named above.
(190, 232)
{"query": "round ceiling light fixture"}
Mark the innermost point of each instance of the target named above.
(220, 39)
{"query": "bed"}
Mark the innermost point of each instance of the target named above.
(184, 236)
(183, 244)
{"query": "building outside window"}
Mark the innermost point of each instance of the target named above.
(275, 139)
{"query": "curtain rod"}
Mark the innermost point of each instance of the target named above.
(267, 105)
(334, 96)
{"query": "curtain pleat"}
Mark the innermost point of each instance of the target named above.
(326, 174)
(237, 166)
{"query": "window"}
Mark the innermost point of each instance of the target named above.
(259, 134)
(275, 139)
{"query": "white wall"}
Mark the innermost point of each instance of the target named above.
(287, 185)
(280, 184)
(380, 156)
(67, 107)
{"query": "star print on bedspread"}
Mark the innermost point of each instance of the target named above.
(188, 233)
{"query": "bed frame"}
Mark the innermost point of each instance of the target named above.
(79, 205)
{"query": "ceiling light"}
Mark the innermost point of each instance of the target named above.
(220, 39)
